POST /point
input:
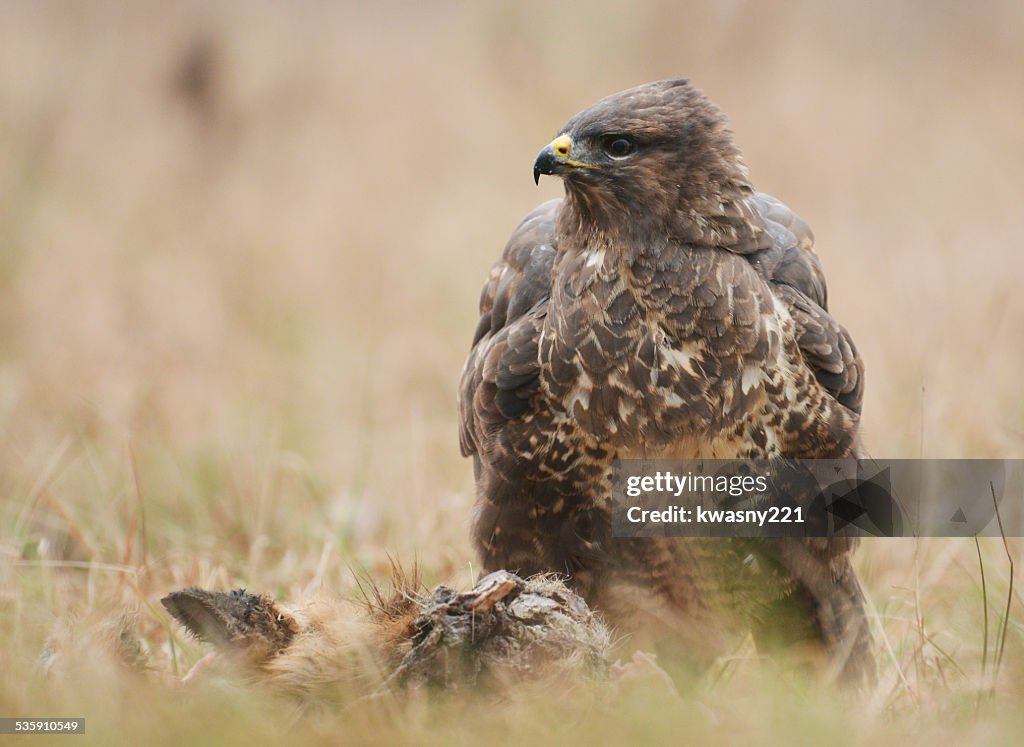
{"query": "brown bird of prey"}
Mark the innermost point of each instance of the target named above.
(662, 309)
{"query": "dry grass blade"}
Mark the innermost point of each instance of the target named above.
(140, 505)
(1005, 621)
(984, 609)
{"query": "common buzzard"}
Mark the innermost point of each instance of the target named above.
(662, 309)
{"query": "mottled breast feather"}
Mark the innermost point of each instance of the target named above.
(700, 296)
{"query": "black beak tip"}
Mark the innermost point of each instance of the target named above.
(547, 163)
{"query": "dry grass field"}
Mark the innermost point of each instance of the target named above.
(241, 245)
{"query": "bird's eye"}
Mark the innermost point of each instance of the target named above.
(618, 146)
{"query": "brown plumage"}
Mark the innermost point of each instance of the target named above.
(663, 308)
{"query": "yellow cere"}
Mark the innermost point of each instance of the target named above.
(562, 145)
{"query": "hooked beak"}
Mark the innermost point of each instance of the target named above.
(554, 159)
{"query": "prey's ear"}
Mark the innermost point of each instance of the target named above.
(234, 621)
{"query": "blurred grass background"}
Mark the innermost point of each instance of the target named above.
(241, 245)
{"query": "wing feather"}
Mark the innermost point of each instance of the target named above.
(796, 275)
(502, 372)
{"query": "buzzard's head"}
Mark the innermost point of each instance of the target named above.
(646, 154)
